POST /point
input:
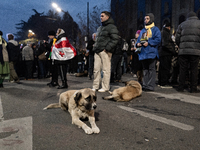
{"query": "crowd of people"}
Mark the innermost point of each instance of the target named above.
(151, 55)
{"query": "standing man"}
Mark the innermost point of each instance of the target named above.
(27, 56)
(106, 40)
(149, 40)
(188, 41)
(53, 68)
(91, 55)
(166, 51)
(14, 54)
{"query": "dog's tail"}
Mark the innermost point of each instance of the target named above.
(54, 105)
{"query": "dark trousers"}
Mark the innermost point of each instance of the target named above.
(164, 70)
(29, 69)
(149, 73)
(91, 65)
(63, 71)
(54, 71)
(184, 61)
(116, 70)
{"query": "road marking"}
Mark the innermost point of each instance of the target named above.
(1, 111)
(159, 119)
(181, 97)
(15, 134)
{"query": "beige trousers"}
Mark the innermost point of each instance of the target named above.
(13, 74)
(102, 62)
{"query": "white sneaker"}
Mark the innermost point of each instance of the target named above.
(94, 90)
(102, 90)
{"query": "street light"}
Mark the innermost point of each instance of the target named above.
(31, 34)
(57, 7)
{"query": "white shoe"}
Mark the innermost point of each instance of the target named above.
(94, 90)
(102, 90)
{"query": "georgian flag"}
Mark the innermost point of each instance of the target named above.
(63, 50)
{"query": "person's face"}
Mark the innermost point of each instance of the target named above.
(146, 19)
(136, 35)
(169, 28)
(51, 36)
(104, 17)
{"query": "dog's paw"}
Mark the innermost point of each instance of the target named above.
(96, 130)
(45, 108)
(87, 129)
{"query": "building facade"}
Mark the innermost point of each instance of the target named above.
(129, 14)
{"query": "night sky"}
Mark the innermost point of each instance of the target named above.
(13, 11)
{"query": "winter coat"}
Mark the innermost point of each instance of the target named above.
(106, 37)
(27, 53)
(188, 37)
(151, 51)
(90, 47)
(5, 53)
(118, 49)
(13, 49)
(167, 47)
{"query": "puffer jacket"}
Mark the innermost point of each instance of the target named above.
(151, 51)
(188, 37)
(106, 37)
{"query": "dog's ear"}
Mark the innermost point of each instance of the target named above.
(77, 97)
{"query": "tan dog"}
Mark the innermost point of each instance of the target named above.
(123, 94)
(80, 104)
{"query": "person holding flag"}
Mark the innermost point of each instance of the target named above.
(61, 52)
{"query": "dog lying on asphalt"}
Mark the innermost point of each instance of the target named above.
(123, 94)
(80, 104)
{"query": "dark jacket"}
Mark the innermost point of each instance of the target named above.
(107, 37)
(151, 51)
(13, 49)
(188, 37)
(167, 45)
(118, 49)
(90, 47)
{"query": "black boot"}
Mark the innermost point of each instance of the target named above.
(64, 85)
(63, 76)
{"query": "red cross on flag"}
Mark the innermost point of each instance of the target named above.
(63, 50)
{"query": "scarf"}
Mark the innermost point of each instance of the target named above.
(149, 32)
(54, 41)
(2, 41)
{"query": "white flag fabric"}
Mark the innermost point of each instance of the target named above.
(63, 50)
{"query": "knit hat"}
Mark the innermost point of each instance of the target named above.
(167, 24)
(138, 31)
(52, 33)
(191, 14)
(151, 18)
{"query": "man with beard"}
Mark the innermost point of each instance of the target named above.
(149, 40)
(106, 40)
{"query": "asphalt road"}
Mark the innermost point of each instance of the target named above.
(160, 120)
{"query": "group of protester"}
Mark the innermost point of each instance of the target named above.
(106, 55)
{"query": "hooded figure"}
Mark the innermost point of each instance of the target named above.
(61, 52)
(149, 40)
